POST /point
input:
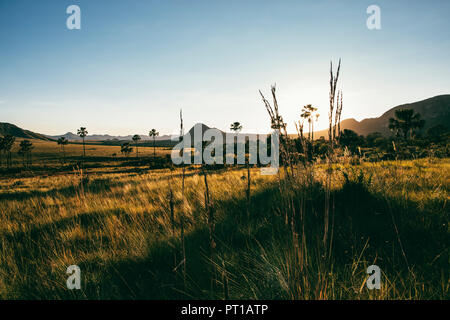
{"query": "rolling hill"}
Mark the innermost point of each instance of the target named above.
(435, 111)
(11, 129)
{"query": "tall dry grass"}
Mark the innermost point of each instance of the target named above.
(118, 229)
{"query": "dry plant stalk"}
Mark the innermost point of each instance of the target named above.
(279, 125)
(333, 84)
(171, 206)
(211, 225)
(286, 185)
(183, 204)
(226, 294)
(210, 213)
(209, 209)
(82, 180)
(299, 128)
(172, 217)
(332, 138)
(338, 113)
(248, 187)
(294, 190)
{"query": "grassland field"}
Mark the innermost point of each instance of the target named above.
(47, 151)
(123, 229)
(48, 158)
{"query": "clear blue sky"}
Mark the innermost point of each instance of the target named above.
(135, 63)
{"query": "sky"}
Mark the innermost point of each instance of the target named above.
(135, 63)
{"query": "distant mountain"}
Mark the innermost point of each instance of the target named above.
(69, 136)
(203, 127)
(8, 128)
(199, 127)
(435, 111)
(105, 137)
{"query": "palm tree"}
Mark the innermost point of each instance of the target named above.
(308, 113)
(236, 127)
(136, 138)
(406, 122)
(82, 132)
(126, 149)
(8, 142)
(153, 134)
(25, 150)
(312, 110)
(62, 141)
(306, 116)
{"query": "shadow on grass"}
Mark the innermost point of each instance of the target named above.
(94, 186)
(361, 220)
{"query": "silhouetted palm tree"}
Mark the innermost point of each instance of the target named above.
(309, 113)
(236, 127)
(82, 132)
(8, 142)
(25, 150)
(312, 110)
(406, 122)
(305, 115)
(126, 148)
(153, 134)
(62, 141)
(136, 139)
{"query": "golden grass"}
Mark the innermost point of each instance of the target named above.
(49, 223)
(49, 150)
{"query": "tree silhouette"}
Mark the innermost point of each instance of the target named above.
(308, 114)
(406, 122)
(82, 132)
(126, 149)
(236, 127)
(25, 151)
(153, 134)
(136, 138)
(7, 144)
(436, 133)
(313, 111)
(350, 139)
(62, 141)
